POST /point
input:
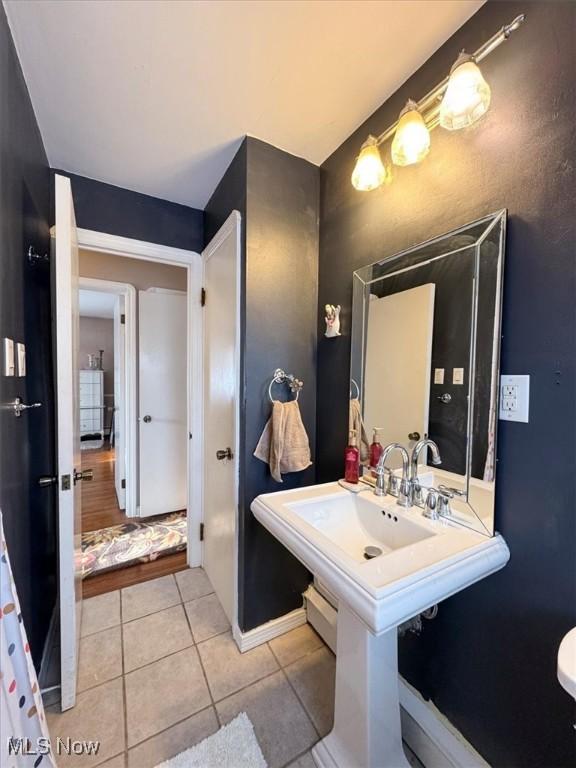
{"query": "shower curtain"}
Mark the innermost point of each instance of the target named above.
(24, 741)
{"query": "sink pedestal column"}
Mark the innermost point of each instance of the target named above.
(366, 732)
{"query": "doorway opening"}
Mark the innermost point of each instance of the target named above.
(133, 417)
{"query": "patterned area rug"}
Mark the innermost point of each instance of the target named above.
(137, 541)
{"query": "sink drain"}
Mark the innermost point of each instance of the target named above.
(370, 552)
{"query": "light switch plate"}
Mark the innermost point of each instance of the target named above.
(457, 375)
(8, 357)
(514, 398)
(21, 359)
(438, 375)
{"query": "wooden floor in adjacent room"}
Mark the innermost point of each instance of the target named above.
(100, 510)
(99, 503)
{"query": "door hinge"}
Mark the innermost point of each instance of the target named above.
(123, 319)
(203, 297)
(123, 484)
(201, 531)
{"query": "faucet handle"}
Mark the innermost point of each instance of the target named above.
(450, 492)
(431, 506)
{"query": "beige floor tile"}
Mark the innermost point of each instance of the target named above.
(313, 678)
(117, 762)
(304, 761)
(228, 670)
(174, 740)
(100, 658)
(163, 693)
(97, 716)
(155, 636)
(193, 584)
(149, 597)
(206, 617)
(101, 612)
(296, 643)
(281, 725)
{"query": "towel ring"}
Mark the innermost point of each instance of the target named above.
(352, 381)
(285, 378)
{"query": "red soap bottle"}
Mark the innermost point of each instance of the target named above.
(375, 450)
(352, 460)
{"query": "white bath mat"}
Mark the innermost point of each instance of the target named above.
(233, 746)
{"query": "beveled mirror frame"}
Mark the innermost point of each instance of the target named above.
(486, 237)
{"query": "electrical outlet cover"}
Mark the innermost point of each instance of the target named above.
(514, 398)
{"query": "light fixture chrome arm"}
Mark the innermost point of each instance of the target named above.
(429, 105)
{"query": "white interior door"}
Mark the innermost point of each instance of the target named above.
(221, 384)
(398, 359)
(119, 389)
(163, 434)
(65, 249)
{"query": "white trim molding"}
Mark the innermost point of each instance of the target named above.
(135, 249)
(431, 736)
(116, 245)
(265, 632)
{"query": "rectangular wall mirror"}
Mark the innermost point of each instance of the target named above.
(425, 360)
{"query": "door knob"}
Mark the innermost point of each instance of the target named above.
(414, 436)
(225, 454)
(86, 474)
(47, 480)
(445, 398)
(147, 419)
(20, 407)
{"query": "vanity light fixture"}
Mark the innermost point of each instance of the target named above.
(412, 138)
(459, 100)
(370, 172)
(467, 96)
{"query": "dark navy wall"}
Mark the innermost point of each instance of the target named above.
(26, 444)
(116, 211)
(489, 660)
(278, 197)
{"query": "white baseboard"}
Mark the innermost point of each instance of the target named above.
(431, 736)
(259, 635)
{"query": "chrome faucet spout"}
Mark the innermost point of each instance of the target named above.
(404, 492)
(420, 445)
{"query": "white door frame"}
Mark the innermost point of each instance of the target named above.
(233, 222)
(192, 261)
(129, 405)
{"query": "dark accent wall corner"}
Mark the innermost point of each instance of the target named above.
(117, 211)
(278, 197)
(26, 444)
(489, 659)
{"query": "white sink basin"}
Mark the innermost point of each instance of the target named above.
(351, 523)
(326, 527)
(422, 562)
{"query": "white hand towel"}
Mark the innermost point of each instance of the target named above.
(284, 444)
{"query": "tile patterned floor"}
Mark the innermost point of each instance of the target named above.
(159, 671)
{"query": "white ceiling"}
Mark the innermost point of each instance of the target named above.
(96, 304)
(156, 95)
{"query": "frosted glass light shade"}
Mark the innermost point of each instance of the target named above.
(467, 96)
(369, 171)
(412, 138)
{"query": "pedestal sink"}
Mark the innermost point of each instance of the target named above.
(422, 562)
